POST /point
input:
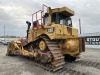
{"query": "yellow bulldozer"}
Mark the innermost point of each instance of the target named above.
(51, 40)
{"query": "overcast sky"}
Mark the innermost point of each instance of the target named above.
(15, 13)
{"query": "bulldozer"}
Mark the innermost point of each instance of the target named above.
(51, 40)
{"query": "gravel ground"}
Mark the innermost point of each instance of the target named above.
(22, 66)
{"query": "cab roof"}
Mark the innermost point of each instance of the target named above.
(63, 10)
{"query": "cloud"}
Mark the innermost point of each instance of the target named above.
(14, 13)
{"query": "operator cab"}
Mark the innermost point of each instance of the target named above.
(59, 18)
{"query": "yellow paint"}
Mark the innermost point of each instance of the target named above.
(42, 45)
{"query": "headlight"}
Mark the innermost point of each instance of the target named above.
(50, 30)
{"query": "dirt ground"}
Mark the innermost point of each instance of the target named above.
(22, 66)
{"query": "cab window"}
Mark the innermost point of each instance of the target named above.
(46, 19)
(61, 19)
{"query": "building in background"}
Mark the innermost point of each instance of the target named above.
(92, 40)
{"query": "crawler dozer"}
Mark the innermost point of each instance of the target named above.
(51, 39)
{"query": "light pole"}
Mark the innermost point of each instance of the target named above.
(80, 25)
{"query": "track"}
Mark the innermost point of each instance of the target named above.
(63, 71)
(57, 56)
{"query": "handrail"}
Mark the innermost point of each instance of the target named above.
(43, 7)
(42, 16)
(37, 12)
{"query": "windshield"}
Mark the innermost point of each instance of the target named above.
(62, 19)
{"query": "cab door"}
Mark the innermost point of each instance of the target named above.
(67, 28)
